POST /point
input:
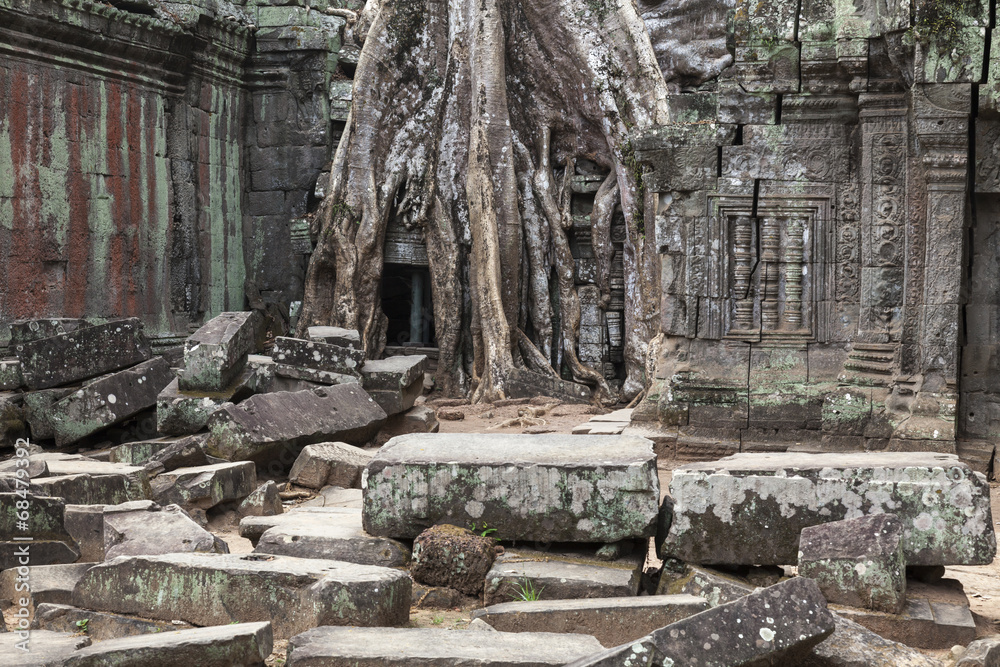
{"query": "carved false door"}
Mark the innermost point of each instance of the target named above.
(769, 276)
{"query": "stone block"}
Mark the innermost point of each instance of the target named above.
(924, 623)
(612, 621)
(245, 644)
(331, 463)
(51, 542)
(853, 645)
(323, 532)
(10, 374)
(46, 649)
(47, 583)
(714, 587)
(778, 625)
(217, 352)
(37, 413)
(101, 625)
(81, 354)
(857, 562)
(181, 412)
(85, 523)
(517, 484)
(750, 508)
(418, 419)
(267, 425)
(524, 383)
(108, 400)
(318, 356)
(25, 331)
(205, 487)
(310, 375)
(394, 373)
(563, 575)
(88, 482)
(446, 555)
(386, 647)
(295, 594)
(152, 530)
(349, 338)
(981, 653)
(265, 501)
(397, 401)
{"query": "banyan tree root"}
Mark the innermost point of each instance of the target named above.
(467, 118)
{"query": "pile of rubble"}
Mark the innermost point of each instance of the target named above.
(767, 559)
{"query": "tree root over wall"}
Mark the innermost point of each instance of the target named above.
(466, 123)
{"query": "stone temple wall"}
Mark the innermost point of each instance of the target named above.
(827, 218)
(153, 154)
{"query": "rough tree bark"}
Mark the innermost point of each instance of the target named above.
(466, 122)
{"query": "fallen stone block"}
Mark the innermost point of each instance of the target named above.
(446, 555)
(45, 583)
(154, 530)
(10, 374)
(853, 645)
(418, 419)
(188, 452)
(348, 338)
(515, 483)
(307, 377)
(217, 352)
(714, 587)
(318, 356)
(563, 575)
(332, 533)
(82, 354)
(108, 400)
(394, 373)
(395, 402)
(524, 383)
(139, 452)
(377, 647)
(100, 625)
(335, 496)
(205, 487)
(923, 623)
(244, 644)
(265, 501)
(86, 524)
(329, 463)
(184, 412)
(980, 653)
(40, 518)
(37, 405)
(612, 621)
(88, 482)
(295, 594)
(266, 426)
(44, 648)
(778, 625)
(857, 562)
(751, 508)
(25, 331)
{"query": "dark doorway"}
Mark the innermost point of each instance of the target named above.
(406, 301)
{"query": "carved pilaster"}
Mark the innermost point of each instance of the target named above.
(743, 307)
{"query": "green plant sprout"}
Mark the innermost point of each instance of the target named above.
(525, 591)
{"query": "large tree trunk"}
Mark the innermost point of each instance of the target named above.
(466, 123)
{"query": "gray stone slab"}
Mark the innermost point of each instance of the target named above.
(349, 338)
(86, 524)
(264, 501)
(216, 354)
(295, 594)
(139, 452)
(329, 463)
(315, 376)
(524, 383)
(335, 496)
(565, 575)
(87, 482)
(778, 625)
(318, 356)
(612, 621)
(529, 487)
(243, 644)
(252, 527)
(37, 413)
(205, 487)
(46, 583)
(750, 508)
(853, 645)
(923, 623)
(10, 374)
(81, 354)
(276, 426)
(714, 587)
(25, 331)
(398, 400)
(183, 412)
(186, 452)
(42, 649)
(980, 653)
(327, 533)
(394, 373)
(101, 625)
(359, 647)
(154, 530)
(108, 400)
(857, 562)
